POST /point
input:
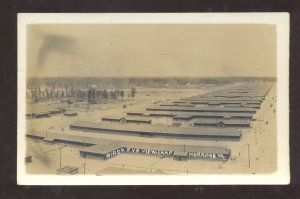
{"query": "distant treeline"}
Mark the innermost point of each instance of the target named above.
(129, 82)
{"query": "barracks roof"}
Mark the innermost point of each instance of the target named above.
(158, 129)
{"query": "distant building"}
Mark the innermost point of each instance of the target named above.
(123, 120)
(44, 113)
(70, 114)
(158, 131)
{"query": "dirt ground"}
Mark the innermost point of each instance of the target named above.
(260, 140)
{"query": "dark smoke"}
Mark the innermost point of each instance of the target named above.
(57, 43)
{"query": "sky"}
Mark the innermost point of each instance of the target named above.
(156, 50)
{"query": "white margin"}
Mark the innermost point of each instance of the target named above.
(281, 20)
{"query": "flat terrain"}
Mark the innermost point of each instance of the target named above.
(260, 140)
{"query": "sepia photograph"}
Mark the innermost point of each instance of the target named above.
(153, 98)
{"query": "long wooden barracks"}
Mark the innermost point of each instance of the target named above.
(214, 116)
(158, 131)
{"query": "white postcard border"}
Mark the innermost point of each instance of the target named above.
(281, 20)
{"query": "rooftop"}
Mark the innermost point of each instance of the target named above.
(189, 115)
(102, 145)
(203, 109)
(225, 121)
(128, 118)
(152, 146)
(158, 129)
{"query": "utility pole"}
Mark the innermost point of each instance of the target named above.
(255, 137)
(249, 155)
(259, 123)
(259, 126)
(60, 158)
(84, 168)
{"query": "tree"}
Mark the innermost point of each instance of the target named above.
(112, 95)
(72, 92)
(32, 94)
(133, 92)
(91, 94)
(47, 93)
(104, 94)
(122, 94)
(39, 93)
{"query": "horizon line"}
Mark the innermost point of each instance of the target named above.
(151, 76)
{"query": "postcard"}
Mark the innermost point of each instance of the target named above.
(146, 99)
